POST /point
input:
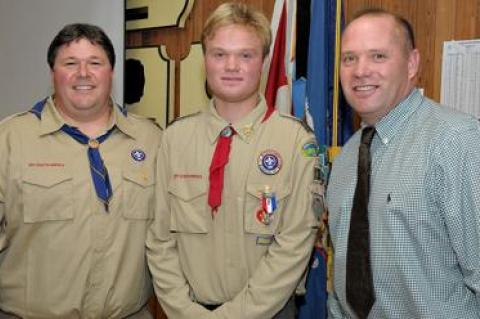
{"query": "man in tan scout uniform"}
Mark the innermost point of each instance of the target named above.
(232, 240)
(76, 193)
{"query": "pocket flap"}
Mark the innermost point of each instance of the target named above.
(187, 190)
(281, 190)
(140, 176)
(46, 179)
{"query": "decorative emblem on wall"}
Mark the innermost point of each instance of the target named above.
(143, 14)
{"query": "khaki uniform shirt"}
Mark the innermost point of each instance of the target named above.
(61, 254)
(233, 259)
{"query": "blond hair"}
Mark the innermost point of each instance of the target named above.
(232, 13)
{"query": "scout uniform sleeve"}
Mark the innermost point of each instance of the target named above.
(278, 273)
(169, 281)
(455, 181)
(3, 183)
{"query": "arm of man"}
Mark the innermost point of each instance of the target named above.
(334, 309)
(170, 285)
(278, 273)
(3, 184)
(457, 169)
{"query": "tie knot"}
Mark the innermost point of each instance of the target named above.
(367, 135)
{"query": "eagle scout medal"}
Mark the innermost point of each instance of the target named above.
(269, 162)
(268, 206)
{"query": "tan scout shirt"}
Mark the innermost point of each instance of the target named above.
(61, 254)
(232, 259)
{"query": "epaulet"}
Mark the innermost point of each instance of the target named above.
(181, 118)
(9, 117)
(154, 121)
(145, 118)
(296, 119)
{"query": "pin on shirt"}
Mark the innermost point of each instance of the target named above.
(138, 155)
(268, 206)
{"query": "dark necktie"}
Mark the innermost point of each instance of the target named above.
(359, 285)
(217, 167)
(99, 172)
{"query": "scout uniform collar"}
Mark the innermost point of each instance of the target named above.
(243, 128)
(98, 169)
(222, 132)
(51, 120)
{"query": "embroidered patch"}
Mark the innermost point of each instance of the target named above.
(264, 240)
(269, 162)
(138, 155)
(310, 149)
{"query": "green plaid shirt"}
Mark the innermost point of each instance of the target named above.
(424, 213)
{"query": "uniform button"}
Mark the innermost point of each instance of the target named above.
(385, 140)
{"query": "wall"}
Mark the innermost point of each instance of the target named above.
(434, 21)
(27, 28)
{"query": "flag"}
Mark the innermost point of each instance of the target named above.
(277, 91)
(314, 304)
(320, 75)
(322, 92)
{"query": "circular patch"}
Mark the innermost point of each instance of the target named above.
(138, 155)
(269, 162)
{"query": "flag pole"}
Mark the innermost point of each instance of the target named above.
(335, 149)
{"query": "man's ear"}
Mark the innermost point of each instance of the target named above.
(413, 63)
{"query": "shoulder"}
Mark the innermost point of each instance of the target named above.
(185, 119)
(293, 121)
(147, 123)
(440, 122)
(184, 124)
(21, 119)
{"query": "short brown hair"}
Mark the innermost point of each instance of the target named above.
(238, 13)
(401, 22)
(76, 31)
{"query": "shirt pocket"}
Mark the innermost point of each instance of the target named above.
(47, 196)
(189, 213)
(138, 193)
(253, 204)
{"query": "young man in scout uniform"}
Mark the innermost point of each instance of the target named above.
(77, 174)
(234, 225)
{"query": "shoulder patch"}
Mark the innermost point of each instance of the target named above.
(296, 119)
(310, 149)
(181, 118)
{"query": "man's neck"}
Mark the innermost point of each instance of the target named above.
(91, 125)
(233, 112)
